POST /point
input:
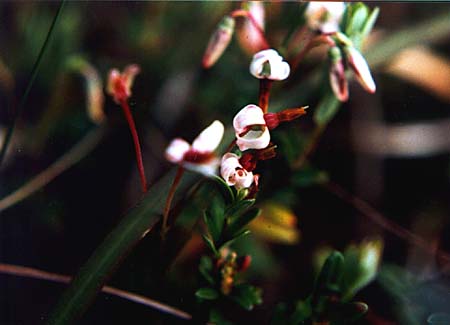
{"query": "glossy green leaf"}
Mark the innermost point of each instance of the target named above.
(238, 223)
(226, 190)
(205, 268)
(207, 294)
(117, 244)
(208, 241)
(327, 109)
(239, 207)
(330, 276)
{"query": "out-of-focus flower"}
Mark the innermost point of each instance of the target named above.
(233, 173)
(268, 64)
(338, 81)
(199, 156)
(276, 224)
(119, 84)
(250, 39)
(250, 128)
(360, 67)
(219, 41)
(324, 16)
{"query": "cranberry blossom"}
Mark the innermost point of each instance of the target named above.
(199, 156)
(233, 173)
(268, 64)
(251, 129)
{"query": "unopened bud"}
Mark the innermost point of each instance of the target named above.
(338, 81)
(250, 38)
(243, 263)
(360, 67)
(218, 42)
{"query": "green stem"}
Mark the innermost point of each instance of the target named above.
(34, 72)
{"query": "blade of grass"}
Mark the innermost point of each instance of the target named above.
(34, 73)
(112, 251)
(70, 158)
(33, 273)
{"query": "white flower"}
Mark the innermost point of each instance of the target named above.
(361, 69)
(268, 64)
(199, 156)
(251, 129)
(324, 16)
(233, 173)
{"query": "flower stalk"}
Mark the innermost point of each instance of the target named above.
(170, 195)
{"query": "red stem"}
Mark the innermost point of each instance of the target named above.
(137, 146)
(169, 199)
(249, 16)
(264, 93)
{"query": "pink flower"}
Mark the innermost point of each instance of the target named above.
(248, 35)
(119, 84)
(199, 156)
(233, 173)
(324, 16)
(268, 64)
(251, 129)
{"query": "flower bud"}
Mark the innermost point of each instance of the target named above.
(250, 128)
(360, 67)
(218, 42)
(250, 39)
(324, 16)
(338, 81)
(233, 173)
(268, 64)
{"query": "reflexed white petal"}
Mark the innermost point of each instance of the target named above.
(361, 68)
(209, 139)
(253, 140)
(279, 71)
(176, 150)
(249, 115)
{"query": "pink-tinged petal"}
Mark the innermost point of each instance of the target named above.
(176, 150)
(248, 116)
(113, 77)
(361, 69)
(324, 16)
(218, 42)
(129, 74)
(254, 139)
(338, 80)
(209, 139)
(233, 173)
(279, 70)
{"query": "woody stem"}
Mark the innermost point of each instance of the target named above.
(249, 16)
(173, 188)
(264, 93)
(126, 110)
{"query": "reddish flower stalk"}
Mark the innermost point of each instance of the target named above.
(137, 146)
(173, 188)
(249, 16)
(264, 92)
